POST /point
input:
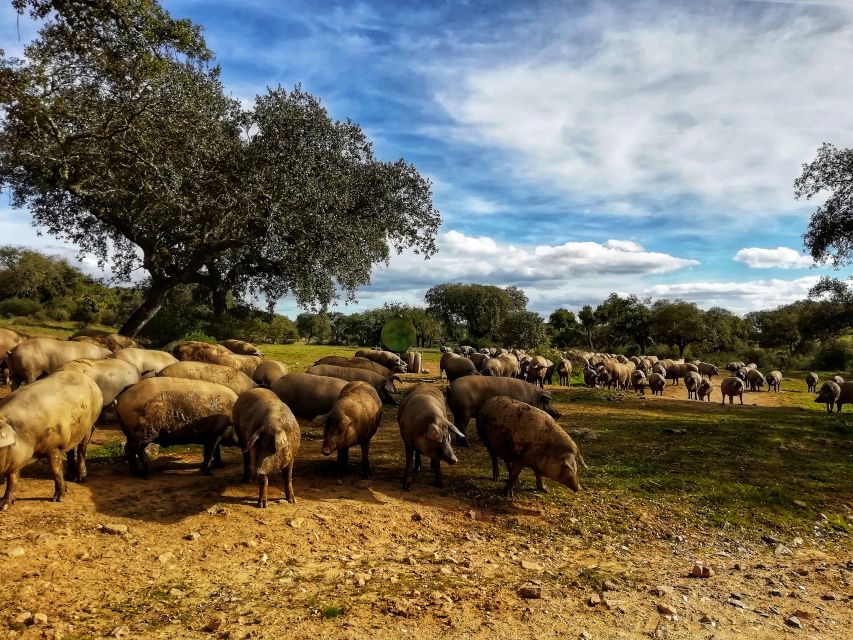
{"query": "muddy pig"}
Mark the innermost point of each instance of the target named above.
(353, 420)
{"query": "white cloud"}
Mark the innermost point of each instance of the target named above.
(721, 106)
(624, 245)
(740, 297)
(778, 258)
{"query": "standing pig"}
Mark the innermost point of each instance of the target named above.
(703, 391)
(8, 339)
(307, 395)
(241, 347)
(839, 394)
(269, 437)
(425, 430)
(383, 387)
(638, 381)
(657, 383)
(45, 419)
(38, 357)
(811, 382)
(731, 387)
(149, 362)
(524, 436)
(112, 376)
(774, 381)
(268, 372)
(691, 382)
(172, 411)
(564, 371)
(353, 420)
(229, 377)
(387, 359)
(466, 396)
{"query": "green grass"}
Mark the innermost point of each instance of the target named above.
(330, 612)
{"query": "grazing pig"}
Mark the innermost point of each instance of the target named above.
(479, 360)
(811, 381)
(837, 379)
(590, 377)
(112, 376)
(425, 430)
(269, 436)
(755, 380)
(307, 395)
(467, 395)
(148, 362)
(200, 351)
(172, 411)
(839, 394)
(703, 391)
(638, 381)
(385, 358)
(229, 377)
(246, 364)
(657, 383)
(354, 418)
(111, 341)
(45, 419)
(731, 387)
(691, 383)
(564, 371)
(383, 387)
(38, 357)
(524, 436)
(707, 370)
(8, 339)
(361, 363)
(459, 367)
(268, 372)
(774, 381)
(241, 347)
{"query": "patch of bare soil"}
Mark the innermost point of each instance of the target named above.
(181, 555)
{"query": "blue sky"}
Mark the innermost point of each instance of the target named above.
(575, 148)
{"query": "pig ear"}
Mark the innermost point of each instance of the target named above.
(320, 421)
(434, 433)
(7, 435)
(582, 461)
(452, 428)
(252, 440)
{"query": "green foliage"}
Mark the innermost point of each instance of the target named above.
(331, 612)
(314, 325)
(19, 307)
(481, 308)
(677, 323)
(564, 328)
(522, 330)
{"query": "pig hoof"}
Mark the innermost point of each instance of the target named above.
(262, 504)
(206, 471)
(218, 464)
(5, 503)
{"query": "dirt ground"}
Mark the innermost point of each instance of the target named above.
(181, 555)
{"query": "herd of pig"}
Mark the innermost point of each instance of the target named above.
(229, 395)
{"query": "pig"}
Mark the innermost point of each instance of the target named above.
(148, 362)
(692, 379)
(172, 411)
(479, 360)
(425, 430)
(638, 381)
(755, 379)
(707, 369)
(307, 395)
(467, 395)
(525, 436)
(106, 339)
(564, 371)
(44, 420)
(657, 383)
(774, 381)
(229, 377)
(837, 379)
(839, 394)
(590, 377)
(246, 364)
(112, 376)
(385, 358)
(37, 357)
(268, 372)
(378, 382)
(8, 339)
(269, 436)
(731, 387)
(241, 347)
(360, 363)
(200, 351)
(354, 418)
(703, 391)
(459, 367)
(811, 381)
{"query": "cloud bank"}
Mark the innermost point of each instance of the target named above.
(778, 258)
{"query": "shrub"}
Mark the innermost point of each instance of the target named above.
(20, 307)
(833, 356)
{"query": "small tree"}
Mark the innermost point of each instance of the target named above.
(522, 329)
(677, 323)
(589, 322)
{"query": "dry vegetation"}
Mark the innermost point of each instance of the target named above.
(670, 483)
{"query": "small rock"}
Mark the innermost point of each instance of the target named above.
(471, 515)
(782, 550)
(114, 529)
(166, 558)
(24, 618)
(214, 624)
(800, 504)
(706, 619)
(776, 593)
(735, 601)
(666, 610)
(40, 618)
(530, 592)
(662, 590)
(410, 560)
(794, 621)
(584, 636)
(531, 566)
(295, 523)
(192, 536)
(675, 431)
(594, 599)
(176, 593)
(829, 596)
(802, 615)
(699, 570)
(609, 585)
(767, 539)
(609, 604)
(445, 571)
(797, 542)
(16, 552)
(416, 517)
(120, 632)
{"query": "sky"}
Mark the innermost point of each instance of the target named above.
(575, 148)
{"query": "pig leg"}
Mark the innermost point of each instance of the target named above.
(55, 461)
(11, 490)
(132, 460)
(217, 456)
(539, 485)
(208, 455)
(143, 458)
(460, 421)
(288, 484)
(80, 471)
(514, 472)
(263, 486)
(365, 460)
(417, 466)
(246, 465)
(407, 476)
(343, 460)
(436, 466)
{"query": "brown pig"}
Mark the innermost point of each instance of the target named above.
(524, 436)
(269, 436)
(112, 376)
(46, 419)
(832, 392)
(359, 363)
(38, 357)
(731, 387)
(353, 420)
(425, 430)
(307, 395)
(149, 362)
(241, 347)
(227, 376)
(383, 387)
(268, 372)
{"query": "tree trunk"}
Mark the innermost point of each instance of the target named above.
(220, 303)
(151, 304)
(681, 348)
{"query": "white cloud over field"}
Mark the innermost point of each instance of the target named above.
(778, 258)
